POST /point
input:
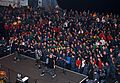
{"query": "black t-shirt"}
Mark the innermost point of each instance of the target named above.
(51, 63)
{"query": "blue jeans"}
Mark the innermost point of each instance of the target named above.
(73, 66)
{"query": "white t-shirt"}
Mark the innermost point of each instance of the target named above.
(102, 41)
(83, 63)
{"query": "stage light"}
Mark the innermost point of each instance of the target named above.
(18, 18)
(19, 22)
(14, 23)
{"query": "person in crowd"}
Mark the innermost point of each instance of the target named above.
(78, 64)
(73, 63)
(68, 64)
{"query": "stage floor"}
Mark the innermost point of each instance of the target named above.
(27, 67)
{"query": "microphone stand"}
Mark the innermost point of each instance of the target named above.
(9, 75)
(36, 80)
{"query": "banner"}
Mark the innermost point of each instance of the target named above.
(23, 2)
(9, 2)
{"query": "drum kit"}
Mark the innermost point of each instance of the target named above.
(3, 76)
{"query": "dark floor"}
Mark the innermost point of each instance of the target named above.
(27, 68)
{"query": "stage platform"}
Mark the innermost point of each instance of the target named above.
(26, 67)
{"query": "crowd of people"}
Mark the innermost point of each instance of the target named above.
(84, 42)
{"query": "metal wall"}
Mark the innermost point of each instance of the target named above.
(43, 3)
(9, 2)
(15, 3)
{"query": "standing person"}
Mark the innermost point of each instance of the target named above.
(73, 63)
(107, 69)
(100, 64)
(50, 65)
(78, 64)
(38, 55)
(68, 64)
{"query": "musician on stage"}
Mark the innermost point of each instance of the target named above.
(50, 66)
(38, 56)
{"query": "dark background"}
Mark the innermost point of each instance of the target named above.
(106, 6)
